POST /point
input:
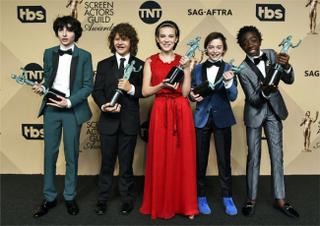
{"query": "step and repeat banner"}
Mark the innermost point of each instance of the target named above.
(26, 30)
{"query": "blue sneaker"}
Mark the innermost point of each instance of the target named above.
(203, 205)
(230, 207)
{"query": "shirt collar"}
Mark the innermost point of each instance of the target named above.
(62, 47)
(118, 56)
(251, 58)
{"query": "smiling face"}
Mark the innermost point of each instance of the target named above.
(66, 37)
(250, 44)
(167, 38)
(215, 49)
(121, 45)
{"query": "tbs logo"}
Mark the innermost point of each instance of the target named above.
(270, 12)
(150, 12)
(31, 14)
(32, 131)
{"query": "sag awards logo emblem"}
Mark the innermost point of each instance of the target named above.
(92, 138)
(150, 12)
(270, 12)
(31, 14)
(98, 15)
(312, 4)
(307, 123)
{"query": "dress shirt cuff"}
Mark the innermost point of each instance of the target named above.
(68, 103)
(289, 70)
(228, 84)
(132, 90)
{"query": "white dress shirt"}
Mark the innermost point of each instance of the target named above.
(127, 57)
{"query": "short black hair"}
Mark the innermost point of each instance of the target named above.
(216, 35)
(124, 30)
(167, 23)
(71, 23)
(246, 29)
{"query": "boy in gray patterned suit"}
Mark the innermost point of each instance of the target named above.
(264, 108)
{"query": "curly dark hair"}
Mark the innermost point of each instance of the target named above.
(246, 29)
(124, 30)
(70, 23)
(216, 35)
(167, 23)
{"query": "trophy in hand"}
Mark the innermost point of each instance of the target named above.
(176, 73)
(206, 88)
(126, 75)
(49, 93)
(274, 75)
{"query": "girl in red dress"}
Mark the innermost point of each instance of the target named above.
(170, 175)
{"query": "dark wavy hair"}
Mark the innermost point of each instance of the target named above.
(246, 29)
(124, 30)
(216, 35)
(70, 23)
(167, 23)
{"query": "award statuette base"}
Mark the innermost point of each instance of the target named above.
(115, 97)
(175, 75)
(203, 89)
(53, 94)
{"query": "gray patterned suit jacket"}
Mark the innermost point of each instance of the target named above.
(256, 105)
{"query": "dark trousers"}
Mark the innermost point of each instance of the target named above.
(112, 146)
(222, 138)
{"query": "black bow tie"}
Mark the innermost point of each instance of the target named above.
(61, 52)
(258, 59)
(216, 63)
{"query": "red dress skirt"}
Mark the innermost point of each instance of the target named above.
(170, 174)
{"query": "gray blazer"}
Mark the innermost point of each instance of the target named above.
(255, 104)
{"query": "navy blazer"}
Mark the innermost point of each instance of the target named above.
(218, 103)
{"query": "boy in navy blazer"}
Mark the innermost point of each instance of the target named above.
(214, 114)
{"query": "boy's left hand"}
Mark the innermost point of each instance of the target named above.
(283, 59)
(62, 103)
(124, 85)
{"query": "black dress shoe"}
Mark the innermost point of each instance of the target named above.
(72, 207)
(101, 208)
(126, 208)
(44, 208)
(288, 210)
(248, 209)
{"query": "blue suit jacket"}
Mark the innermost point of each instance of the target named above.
(81, 80)
(218, 103)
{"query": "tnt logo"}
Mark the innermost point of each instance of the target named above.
(150, 12)
(32, 131)
(31, 14)
(270, 12)
(33, 72)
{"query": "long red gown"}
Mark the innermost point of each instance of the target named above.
(170, 174)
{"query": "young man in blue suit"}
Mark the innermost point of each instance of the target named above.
(213, 114)
(67, 73)
(264, 108)
(119, 124)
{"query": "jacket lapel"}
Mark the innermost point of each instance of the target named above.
(73, 67)
(254, 68)
(55, 63)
